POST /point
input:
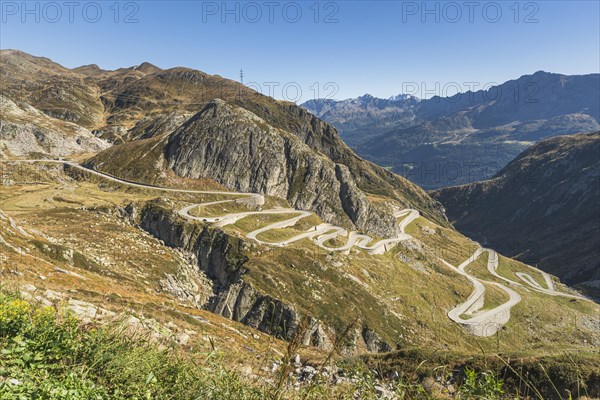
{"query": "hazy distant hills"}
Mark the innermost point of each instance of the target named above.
(366, 116)
(467, 137)
(543, 208)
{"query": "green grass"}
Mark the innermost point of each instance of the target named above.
(219, 210)
(336, 242)
(277, 235)
(53, 357)
(445, 243)
(233, 207)
(253, 222)
(494, 296)
(508, 375)
(48, 354)
(507, 268)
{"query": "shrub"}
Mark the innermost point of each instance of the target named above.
(484, 386)
(45, 354)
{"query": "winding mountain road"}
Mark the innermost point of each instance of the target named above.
(321, 233)
(470, 314)
(528, 279)
(485, 323)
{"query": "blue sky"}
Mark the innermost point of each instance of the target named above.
(346, 49)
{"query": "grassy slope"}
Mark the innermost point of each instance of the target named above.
(49, 354)
(403, 294)
(549, 193)
(121, 267)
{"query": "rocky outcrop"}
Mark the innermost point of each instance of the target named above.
(153, 126)
(241, 302)
(188, 284)
(374, 342)
(219, 255)
(25, 130)
(244, 153)
(222, 258)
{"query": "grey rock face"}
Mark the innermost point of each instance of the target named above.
(373, 341)
(243, 152)
(221, 257)
(188, 285)
(162, 124)
(25, 130)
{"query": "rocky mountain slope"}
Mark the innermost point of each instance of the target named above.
(119, 259)
(542, 208)
(446, 141)
(110, 242)
(26, 130)
(147, 103)
(243, 152)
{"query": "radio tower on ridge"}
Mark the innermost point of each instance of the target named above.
(242, 76)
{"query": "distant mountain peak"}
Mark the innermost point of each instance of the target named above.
(366, 96)
(89, 69)
(403, 97)
(146, 68)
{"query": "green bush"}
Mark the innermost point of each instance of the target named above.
(484, 386)
(45, 354)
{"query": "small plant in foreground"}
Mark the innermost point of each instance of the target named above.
(46, 354)
(484, 386)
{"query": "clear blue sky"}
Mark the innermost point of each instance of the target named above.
(362, 47)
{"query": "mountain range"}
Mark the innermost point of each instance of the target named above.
(446, 141)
